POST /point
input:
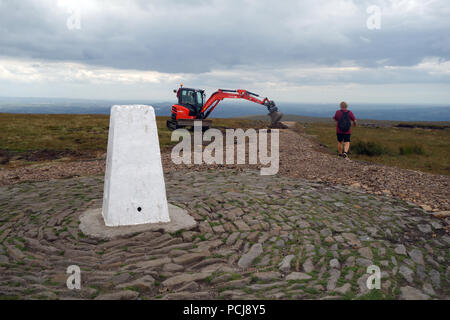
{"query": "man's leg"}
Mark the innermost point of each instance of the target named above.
(339, 140)
(346, 146)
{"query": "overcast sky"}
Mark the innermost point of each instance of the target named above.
(306, 51)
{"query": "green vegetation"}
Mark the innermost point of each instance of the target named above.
(370, 149)
(26, 138)
(417, 148)
(412, 149)
(52, 132)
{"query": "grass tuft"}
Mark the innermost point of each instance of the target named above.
(411, 149)
(369, 148)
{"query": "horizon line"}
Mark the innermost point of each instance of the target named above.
(166, 101)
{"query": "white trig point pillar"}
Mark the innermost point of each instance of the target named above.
(134, 191)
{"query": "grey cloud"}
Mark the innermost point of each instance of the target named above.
(199, 36)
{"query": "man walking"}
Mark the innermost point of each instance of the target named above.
(343, 119)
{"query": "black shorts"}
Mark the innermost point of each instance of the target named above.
(343, 137)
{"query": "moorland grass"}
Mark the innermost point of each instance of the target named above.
(414, 148)
(71, 136)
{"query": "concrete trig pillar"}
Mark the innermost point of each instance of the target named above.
(134, 191)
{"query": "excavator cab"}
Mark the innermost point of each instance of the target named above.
(193, 99)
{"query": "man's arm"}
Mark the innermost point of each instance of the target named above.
(353, 118)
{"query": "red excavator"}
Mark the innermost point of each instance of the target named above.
(191, 106)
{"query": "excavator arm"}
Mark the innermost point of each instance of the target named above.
(221, 94)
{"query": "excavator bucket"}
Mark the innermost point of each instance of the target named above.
(274, 114)
(275, 117)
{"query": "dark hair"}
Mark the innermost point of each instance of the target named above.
(344, 105)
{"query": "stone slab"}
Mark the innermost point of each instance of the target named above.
(93, 225)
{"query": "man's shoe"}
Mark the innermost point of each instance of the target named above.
(340, 155)
(345, 155)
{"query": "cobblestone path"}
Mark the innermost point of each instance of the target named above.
(258, 238)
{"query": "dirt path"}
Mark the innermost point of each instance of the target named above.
(298, 158)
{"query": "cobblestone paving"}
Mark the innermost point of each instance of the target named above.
(258, 238)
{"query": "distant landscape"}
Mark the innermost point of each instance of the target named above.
(78, 129)
(27, 139)
(395, 112)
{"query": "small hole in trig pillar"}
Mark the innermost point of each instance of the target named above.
(139, 209)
